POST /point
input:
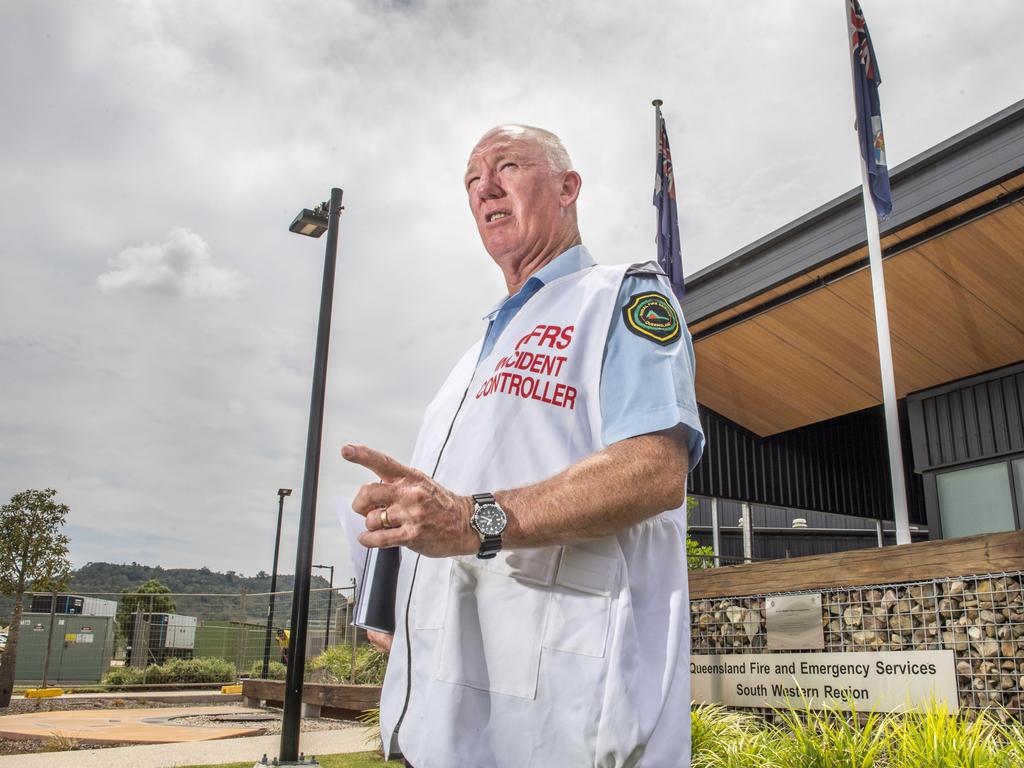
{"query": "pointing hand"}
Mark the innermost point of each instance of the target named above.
(407, 508)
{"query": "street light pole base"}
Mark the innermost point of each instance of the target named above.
(302, 762)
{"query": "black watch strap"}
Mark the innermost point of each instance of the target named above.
(490, 545)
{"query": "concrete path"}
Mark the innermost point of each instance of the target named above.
(196, 753)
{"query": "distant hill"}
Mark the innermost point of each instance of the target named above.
(111, 577)
(196, 591)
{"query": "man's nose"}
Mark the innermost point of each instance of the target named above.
(488, 187)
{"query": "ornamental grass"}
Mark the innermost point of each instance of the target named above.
(844, 738)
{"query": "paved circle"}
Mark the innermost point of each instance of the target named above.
(125, 726)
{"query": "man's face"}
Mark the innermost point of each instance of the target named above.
(515, 197)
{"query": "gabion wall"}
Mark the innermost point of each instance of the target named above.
(981, 618)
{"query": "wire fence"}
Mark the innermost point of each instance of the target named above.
(979, 618)
(135, 640)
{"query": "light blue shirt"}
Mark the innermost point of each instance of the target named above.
(645, 387)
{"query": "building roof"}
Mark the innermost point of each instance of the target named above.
(784, 331)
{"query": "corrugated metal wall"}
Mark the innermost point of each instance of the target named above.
(839, 466)
(780, 547)
(851, 532)
(976, 419)
(765, 516)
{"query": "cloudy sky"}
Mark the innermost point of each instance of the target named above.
(157, 319)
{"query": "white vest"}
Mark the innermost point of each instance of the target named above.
(573, 655)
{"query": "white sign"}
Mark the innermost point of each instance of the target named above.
(884, 681)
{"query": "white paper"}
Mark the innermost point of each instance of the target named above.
(354, 524)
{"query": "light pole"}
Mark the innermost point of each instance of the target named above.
(281, 493)
(313, 224)
(330, 604)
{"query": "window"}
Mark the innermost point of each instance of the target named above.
(1018, 482)
(978, 499)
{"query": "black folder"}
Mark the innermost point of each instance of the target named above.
(375, 603)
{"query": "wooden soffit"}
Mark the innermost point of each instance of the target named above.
(956, 308)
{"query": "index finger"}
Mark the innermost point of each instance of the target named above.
(377, 462)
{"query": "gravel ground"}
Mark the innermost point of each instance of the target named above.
(269, 727)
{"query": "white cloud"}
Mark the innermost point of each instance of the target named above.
(181, 265)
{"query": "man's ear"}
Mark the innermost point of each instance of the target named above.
(570, 191)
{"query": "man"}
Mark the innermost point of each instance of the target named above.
(283, 637)
(542, 612)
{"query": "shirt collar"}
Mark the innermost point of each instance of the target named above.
(567, 262)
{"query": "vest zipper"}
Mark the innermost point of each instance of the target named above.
(412, 582)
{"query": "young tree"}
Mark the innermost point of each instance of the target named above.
(33, 557)
(151, 597)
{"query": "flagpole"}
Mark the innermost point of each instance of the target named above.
(892, 422)
(657, 138)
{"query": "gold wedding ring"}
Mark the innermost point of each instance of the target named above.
(384, 522)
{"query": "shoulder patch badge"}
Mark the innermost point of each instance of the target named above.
(652, 316)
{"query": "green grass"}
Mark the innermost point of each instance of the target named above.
(806, 738)
(354, 760)
(838, 738)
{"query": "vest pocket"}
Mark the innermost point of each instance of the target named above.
(492, 632)
(579, 611)
(429, 605)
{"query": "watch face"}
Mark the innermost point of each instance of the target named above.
(489, 519)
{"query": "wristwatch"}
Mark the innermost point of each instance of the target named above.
(489, 521)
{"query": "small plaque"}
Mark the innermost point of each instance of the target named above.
(793, 622)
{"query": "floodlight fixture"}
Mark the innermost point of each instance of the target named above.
(311, 223)
(284, 491)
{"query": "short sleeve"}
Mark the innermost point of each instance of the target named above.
(647, 376)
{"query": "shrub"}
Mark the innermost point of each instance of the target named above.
(275, 670)
(806, 738)
(58, 742)
(371, 719)
(698, 556)
(834, 739)
(370, 664)
(173, 672)
(937, 738)
(711, 725)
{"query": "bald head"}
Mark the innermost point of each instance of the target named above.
(522, 193)
(554, 150)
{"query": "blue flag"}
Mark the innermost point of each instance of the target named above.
(670, 256)
(866, 80)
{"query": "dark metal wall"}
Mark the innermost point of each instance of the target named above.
(780, 547)
(775, 538)
(840, 465)
(978, 418)
(765, 516)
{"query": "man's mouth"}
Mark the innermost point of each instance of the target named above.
(495, 216)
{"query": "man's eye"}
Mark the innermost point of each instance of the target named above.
(503, 166)
(471, 181)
